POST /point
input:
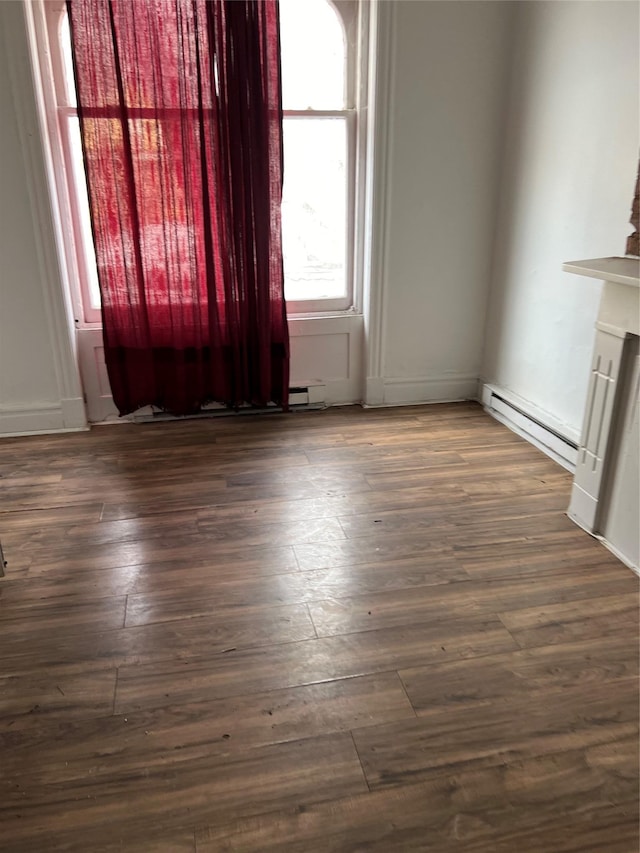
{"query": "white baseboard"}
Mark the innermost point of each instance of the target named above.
(413, 390)
(579, 520)
(374, 391)
(329, 392)
(543, 431)
(339, 392)
(66, 416)
(628, 562)
(74, 413)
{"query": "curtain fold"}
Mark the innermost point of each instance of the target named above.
(180, 112)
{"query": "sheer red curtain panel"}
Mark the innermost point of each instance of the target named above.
(180, 114)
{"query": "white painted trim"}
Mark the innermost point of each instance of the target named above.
(41, 418)
(587, 526)
(26, 91)
(374, 391)
(413, 390)
(621, 270)
(610, 329)
(339, 392)
(74, 414)
(317, 394)
(616, 553)
(346, 387)
(323, 324)
(380, 120)
(583, 508)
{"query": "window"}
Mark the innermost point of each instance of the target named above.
(319, 135)
(320, 45)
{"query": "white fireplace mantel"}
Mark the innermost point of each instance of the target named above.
(617, 270)
(604, 497)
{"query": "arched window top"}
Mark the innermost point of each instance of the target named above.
(313, 55)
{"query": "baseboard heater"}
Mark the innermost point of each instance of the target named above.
(560, 448)
(301, 398)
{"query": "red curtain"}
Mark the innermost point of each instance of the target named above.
(180, 113)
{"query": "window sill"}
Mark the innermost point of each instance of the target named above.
(323, 315)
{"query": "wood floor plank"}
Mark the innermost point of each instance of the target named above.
(245, 578)
(381, 546)
(133, 530)
(230, 492)
(272, 667)
(255, 534)
(57, 619)
(18, 593)
(30, 520)
(548, 721)
(233, 784)
(575, 620)
(506, 808)
(375, 458)
(431, 569)
(554, 588)
(393, 608)
(375, 549)
(487, 485)
(494, 453)
(458, 599)
(568, 551)
(452, 510)
(333, 506)
(60, 693)
(184, 550)
(51, 752)
(499, 532)
(484, 680)
(306, 482)
(163, 686)
(181, 640)
(208, 597)
(207, 590)
(142, 466)
(434, 476)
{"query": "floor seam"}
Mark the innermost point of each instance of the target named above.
(364, 775)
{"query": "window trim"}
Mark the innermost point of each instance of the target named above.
(47, 18)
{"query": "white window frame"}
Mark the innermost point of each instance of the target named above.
(354, 16)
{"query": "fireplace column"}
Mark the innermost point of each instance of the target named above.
(610, 393)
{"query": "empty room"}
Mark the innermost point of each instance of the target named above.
(319, 426)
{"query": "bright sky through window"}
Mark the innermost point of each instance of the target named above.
(314, 207)
(312, 45)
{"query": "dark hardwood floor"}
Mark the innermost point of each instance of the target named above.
(338, 631)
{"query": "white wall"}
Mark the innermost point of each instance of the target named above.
(570, 164)
(39, 386)
(449, 86)
(567, 161)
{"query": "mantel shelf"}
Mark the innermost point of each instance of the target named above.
(618, 270)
